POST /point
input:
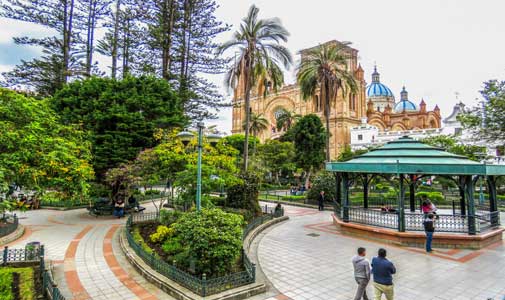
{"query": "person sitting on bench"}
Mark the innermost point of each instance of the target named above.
(133, 203)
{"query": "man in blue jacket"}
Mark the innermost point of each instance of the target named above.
(382, 270)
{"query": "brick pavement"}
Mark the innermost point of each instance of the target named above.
(307, 258)
(304, 258)
(85, 253)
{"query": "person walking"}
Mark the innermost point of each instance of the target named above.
(361, 273)
(429, 229)
(320, 201)
(383, 270)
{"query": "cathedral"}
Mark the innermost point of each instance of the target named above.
(386, 114)
(346, 111)
(375, 102)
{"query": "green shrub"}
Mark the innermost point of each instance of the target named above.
(293, 198)
(6, 285)
(168, 217)
(26, 283)
(137, 237)
(152, 192)
(211, 238)
(425, 188)
(435, 197)
(162, 233)
(245, 195)
(246, 214)
(98, 190)
(324, 181)
(383, 187)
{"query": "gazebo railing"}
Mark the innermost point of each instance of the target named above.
(373, 217)
(487, 220)
(375, 201)
(443, 223)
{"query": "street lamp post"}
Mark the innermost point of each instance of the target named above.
(200, 126)
(186, 137)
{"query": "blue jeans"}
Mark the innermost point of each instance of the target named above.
(429, 239)
(118, 212)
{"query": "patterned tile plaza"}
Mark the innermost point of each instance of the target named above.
(307, 258)
(303, 258)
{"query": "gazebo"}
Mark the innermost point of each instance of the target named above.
(402, 163)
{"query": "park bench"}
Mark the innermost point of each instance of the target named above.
(103, 207)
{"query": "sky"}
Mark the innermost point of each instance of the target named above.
(435, 48)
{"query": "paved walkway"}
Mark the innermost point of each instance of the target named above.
(307, 258)
(85, 252)
(304, 258)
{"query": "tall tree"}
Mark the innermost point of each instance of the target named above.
(37, 152)
(486, 121)
(122, 116)
(278, 157)
(125, 42)
(257, 124)
(450, 144)
(286, 119)
(93, 11)
(194, 56)
(323, 70)
(309, 138)
(52, 70)
(260, 56)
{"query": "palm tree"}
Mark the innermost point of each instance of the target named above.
(260, 56)
(287, 118)
(324, 70)
(257, 124)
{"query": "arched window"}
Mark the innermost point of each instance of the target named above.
(352, 102)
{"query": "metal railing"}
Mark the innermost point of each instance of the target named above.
(11, 224)
(199, 285)
(373, 217)
(487, 220)
(86, 203)
(443, 223)
(374, 201)
(35, 256)
(21, 255)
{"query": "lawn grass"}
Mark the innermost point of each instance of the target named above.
(26, 283)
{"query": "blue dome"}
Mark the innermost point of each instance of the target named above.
(405, 105)
(377, 89)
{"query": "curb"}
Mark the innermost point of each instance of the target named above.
(327, 207)
(253, 234)
(16, 234)
(177, 291)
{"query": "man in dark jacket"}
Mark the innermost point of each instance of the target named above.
(429, 229)
(361, 273)
(382, 270)
(320, 201)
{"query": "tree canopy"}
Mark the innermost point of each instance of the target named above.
(309, 138)
(324, 70)
(487, 121)
(121, 116)
(278, 157)
(260, 59)
(37, 152)
(450, 144)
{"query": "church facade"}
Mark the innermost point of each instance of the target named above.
(386, 114)
(374, 103)
(346, 111)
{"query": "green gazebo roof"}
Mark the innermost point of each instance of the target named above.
(408, 156)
